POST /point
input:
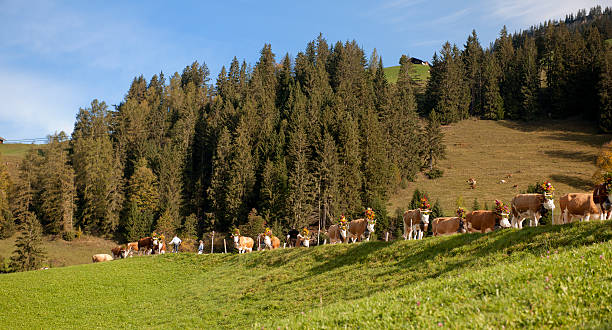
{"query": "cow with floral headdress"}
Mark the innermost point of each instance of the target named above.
(338, 233)
(482, 221)
(304, 237)
(271, 242)
(416, 221)
(449, 225)
(362, 228)
(530, 206)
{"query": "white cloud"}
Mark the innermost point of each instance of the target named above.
(450, 18)
(33, 107)
(530, 12)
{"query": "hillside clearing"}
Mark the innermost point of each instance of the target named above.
(420, 74)
(562, 151)
(493, 279)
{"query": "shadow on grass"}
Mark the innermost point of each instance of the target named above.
(573, 181)
(575, 155)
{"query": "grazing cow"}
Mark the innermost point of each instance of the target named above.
(529, 206)
(358, 229)
(472, 183)
(101, 257)
(147, 244)
(271, 243)
(580, 205)
(119, 252)
(243, 243)
(447, 226)
(602, 199)
(292, 238)
(417, 222)
(484, 221)
(336, 234)
(131, 247)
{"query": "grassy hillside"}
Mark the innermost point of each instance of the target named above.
(61, 253)
(420, 74)
(562, 151)
(12, 153)
(513, 278)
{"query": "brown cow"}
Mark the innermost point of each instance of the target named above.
(579, 205)
(101, 257)
(416, 221)
(243, 243)
(336, 234)
(357, 229)
(119, 252)
(447, 226)
(484, 221)
(602, 199)
(529, 206)
(146, 244)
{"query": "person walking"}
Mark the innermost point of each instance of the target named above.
(201, 247)
(176, 242)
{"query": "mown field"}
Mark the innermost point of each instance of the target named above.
(62, 253)
(562, 151)
(544, 277)
(420, 74)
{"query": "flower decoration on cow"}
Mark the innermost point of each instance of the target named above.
(370, 215)
(425, 206)
(607, 180)
(268, 232)
(236, 232)
(547, 189)
(306, 233)
(500, 208)
(343, 222)
(461, 212)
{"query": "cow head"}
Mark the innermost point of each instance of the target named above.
(267, 241)
(155, 241)
(371, 224)
(343, 232)
(549, 202)
(504, 223)
(236, 238)
(123, 252)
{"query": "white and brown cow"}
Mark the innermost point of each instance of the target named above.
(337, 234)
(101, 257)
(357, 229)
(417, 222)
(272, 243)
(529, 206)
(132, 247)
(447, 226)
(580, 205)
(146, 245)
(243, 243)
(482, 221)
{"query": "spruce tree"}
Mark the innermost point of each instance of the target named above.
(475, 205)
(29, 252)
(433, 142)
(473, 60)
(605, 94)
(493, 104)
(7, 223)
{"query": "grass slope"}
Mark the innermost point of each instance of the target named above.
(420, 74)
(470, 280)
(562, 151)
(12, 153)
(61, 253)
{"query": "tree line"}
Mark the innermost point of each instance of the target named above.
(295, 141)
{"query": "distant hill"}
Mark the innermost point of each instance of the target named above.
(12, 153)
(421, 74)
(562, 151)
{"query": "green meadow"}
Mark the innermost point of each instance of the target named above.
(545, 277)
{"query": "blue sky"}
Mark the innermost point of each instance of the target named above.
(55, 57)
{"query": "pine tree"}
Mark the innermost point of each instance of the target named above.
(605, 94)
(529, 78)
(473, 60)
(241, 176)
(415, 202)
(190, 227)
(350, 164)
(433, 142)
(7, 224)
(138, 223)
(452, 97)
(475, 205)
(142, 188)
(436, 210)
(29, 253)
(493, 104)
(57, 186)
(25, 193)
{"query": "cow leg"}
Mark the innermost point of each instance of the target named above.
(587, 217)
(421, 234)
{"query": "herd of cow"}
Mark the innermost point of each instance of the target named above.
(585, 206)
(147, 245)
